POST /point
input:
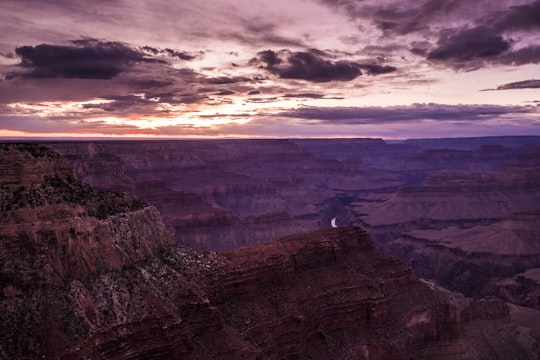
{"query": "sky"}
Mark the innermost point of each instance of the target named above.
(269, 69)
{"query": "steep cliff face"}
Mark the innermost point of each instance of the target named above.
(462, 197)
(468, 232)
(330, 294)
(54, 233)
(522, 288)
(25, 164)
(93, 164)
(82, 283)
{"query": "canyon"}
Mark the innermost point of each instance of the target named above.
(95, 274)
(157, 249)
(461, 212)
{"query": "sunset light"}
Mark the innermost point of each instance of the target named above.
(243, 68)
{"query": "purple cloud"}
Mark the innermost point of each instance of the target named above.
(526, 84)
(397, 114)
(487, 38)
(182, 55)
(526, 55)
(521, 17)
(223, 80)
(86, 59)
(313, 66)
(469, 48)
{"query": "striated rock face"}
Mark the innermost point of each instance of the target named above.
(93, 164)
(460, 197)
(522, 288)
(81, 283)
(330, 294)
(322, 295)
(61, 228)
(239, 192)
(472, 232)
(468, 232)
(86, 273)
(24, 164)
(447, 207)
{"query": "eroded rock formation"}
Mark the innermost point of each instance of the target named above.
(430, 202)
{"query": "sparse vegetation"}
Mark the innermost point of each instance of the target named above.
(67, 190)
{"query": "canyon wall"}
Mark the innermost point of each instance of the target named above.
(447, 195)
(223, 194)
(469, 231)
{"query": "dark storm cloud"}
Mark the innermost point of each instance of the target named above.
(145, 104)
(313, 66)
(487, 38)
(521, 17)
(397, 114)
(469, 48)
(87, 59)
(176, 98)
(376, 69)
(398, 18)
(526, 55)
(306, 66)
(395, 21)
(268, 57)
(150, 83)
(125, 104)
(526, 84)
(472, 48)
(180, 54)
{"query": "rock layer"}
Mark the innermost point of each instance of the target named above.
(452, 199)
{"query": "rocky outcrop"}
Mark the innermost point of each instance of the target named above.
(522, 288)
(373, 309)
(25, 164)
(62, 228)
(321, 295)
(93, 164)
